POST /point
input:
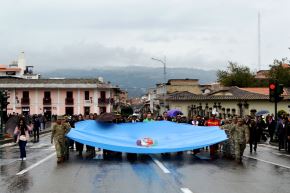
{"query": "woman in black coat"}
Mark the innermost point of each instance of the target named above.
(253, 135)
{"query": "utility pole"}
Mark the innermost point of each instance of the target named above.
(259, 41)
(164, 77)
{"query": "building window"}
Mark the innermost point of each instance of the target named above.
(69, 94)
(25, 111)
(86, 110)
(69, 110)
(87, 95)
(103, 94)
(26, 94)
(47, 94)
(69, 98)
(103, 110)
(46, 99)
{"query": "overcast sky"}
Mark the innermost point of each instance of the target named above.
(190, 33)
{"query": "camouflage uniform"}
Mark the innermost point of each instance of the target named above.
(228, 145)
(67, 127)
(58, 136)
(241, 137)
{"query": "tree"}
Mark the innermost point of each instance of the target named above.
(126, 111)
(281, 72)
(236, 75)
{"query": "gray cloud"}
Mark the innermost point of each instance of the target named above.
(88, 33)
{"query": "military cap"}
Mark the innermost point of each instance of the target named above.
(60, 117)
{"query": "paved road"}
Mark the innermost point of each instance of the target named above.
(267, 171)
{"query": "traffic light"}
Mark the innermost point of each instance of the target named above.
(272, 91)
(279, 91)
(275, 92)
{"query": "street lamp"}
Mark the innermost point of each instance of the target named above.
(164, 76)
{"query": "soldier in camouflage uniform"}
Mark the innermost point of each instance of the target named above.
(228, 145)
(58, 137)
(67, 128)
(241, 138)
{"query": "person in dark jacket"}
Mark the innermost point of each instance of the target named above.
(271, 123)
(288, 134)
(253, 135)
(80, 146)
(282, 133)
(261, 125)
(36, 127)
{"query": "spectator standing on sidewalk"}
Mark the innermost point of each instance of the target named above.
(22, 133)
(261, 125)
(36, 127)
(253, 135)
(271, 123)
(282, 133)
(41, 120)
(288, 134)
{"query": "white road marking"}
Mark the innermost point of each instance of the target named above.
(281, 154)
(161, 166)
(38, 146)
(267, 145)
(36, 164)
(186, 190)
(269, 162)
(7, 145)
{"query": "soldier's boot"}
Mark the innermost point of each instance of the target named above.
(66, 157)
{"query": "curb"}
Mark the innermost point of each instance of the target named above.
(10, 140)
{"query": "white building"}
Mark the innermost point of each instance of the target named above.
(18, 69)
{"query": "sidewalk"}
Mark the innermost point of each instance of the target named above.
(10, 140)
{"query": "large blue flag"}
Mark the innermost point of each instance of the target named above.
(149, 137)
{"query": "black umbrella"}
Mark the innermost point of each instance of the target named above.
(11, 124)
(107, 117)
(262, 112)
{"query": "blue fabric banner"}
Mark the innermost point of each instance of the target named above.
(150, 137)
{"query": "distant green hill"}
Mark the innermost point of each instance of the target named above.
(135, 79)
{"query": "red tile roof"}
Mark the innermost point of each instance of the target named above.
(264, 91)
(258, 90)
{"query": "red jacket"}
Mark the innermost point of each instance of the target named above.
(213, 122)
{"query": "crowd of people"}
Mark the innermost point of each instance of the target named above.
(240, 131)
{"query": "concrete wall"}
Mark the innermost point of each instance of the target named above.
(190, 85)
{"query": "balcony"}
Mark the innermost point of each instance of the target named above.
(87, 103)
(46, 101)
(69, 101)
(25, 101)
(105, 101)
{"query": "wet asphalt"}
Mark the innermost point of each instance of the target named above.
(267, 171)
